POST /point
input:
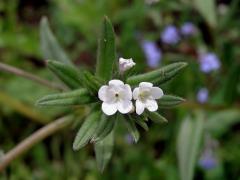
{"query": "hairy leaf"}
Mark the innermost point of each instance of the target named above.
(158, 76)
(169, 101)
(106, 51)
(49, 45)
(103, 151)
(77, 97)
(105, 126)
(141, 122)
(188, 144)
(87, 130)
(66, 73)
(91, 82)
(130, 124)
(156, 117)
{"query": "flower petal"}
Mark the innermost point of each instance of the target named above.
(109, 108)
(102, 93)
(124, 107)
(135, 93)
(128, 92)
(145, 84)
(139, 107)
(156, 92)
(152, 105)
(115, 82)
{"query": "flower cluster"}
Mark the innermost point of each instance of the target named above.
(117, 96)
(170, 35)
(109, 91)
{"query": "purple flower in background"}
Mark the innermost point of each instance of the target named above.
(209, 62)
(208, 160)
(170, 35)
(129, 139)
(202, 95)
(152, 52)
(188, 29)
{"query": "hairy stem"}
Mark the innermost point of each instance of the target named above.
(27, 75)
(33, 139)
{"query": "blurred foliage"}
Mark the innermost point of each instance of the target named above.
(75, 24)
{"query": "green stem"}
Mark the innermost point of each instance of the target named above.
(27, 75)
(33, 139)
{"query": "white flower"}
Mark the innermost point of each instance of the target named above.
(116, 96)
(125, 64)
(145, 96)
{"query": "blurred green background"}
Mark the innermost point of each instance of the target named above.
(204, 33)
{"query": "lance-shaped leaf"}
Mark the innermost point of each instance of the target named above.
(220, 122)
(77, 97)
(158, 76)
(91, 82)
(66, 73)
(103, 151)
(169, 101)
(156, 117)
(188, 144)
(87, 130)
(207, 8)
(106, 51)
(49, 45)
(130, 124)
(105, 126)
(140, 121)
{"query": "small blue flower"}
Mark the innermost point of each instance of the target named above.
(202, 95)
(170, 35)
(208, 161)
(152, 52)
(209, 62)
(188, 29)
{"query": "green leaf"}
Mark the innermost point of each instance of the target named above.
(156, 117)
(188, 144)
(49, 45)
(158, 76)
(130, 124)
(141, 122)
(87, 130)
(77, 97)
(91, 82)
(219, 123)
(169, 101)
(105, 126)
(67, 74)
(106, 51)
(103, 151)
(207, 8)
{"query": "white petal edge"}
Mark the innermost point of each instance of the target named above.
(156, 92)
(115, 82)
(102, 93)
(124, 107)
(128, 94)
(139, 107)
(135, 93)
(109, 108)
(152, 105)
(145, 84)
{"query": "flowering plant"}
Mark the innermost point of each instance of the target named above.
(109, 92)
